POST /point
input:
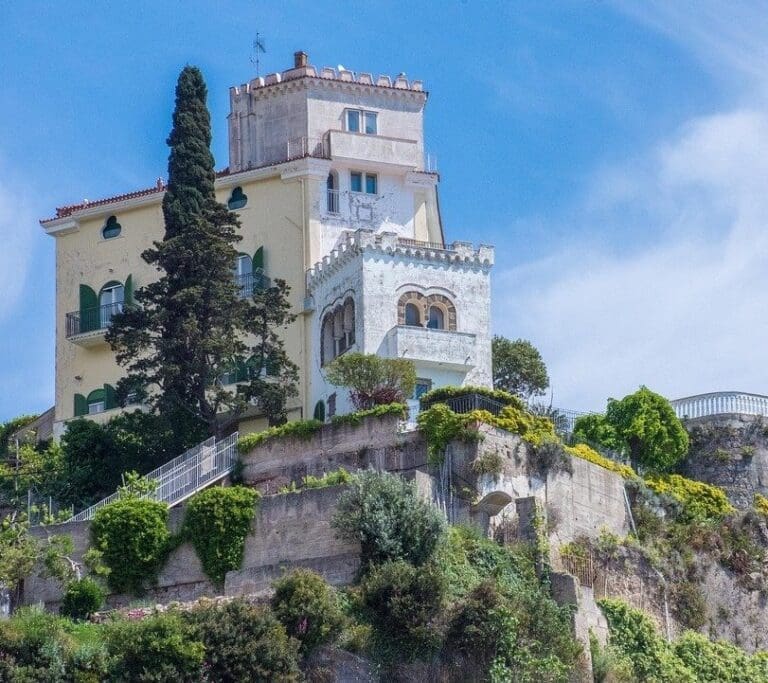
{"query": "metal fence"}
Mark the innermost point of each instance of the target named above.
(249, 283)
(91, 319)
(183, 476)
(470, 402)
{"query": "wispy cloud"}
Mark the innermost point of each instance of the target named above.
(685, 314)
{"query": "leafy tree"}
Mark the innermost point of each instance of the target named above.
(518, 367)
(390, 519)
(596, 430)
(373, 380)
(82, 598)
(193, 325)
(648, 429)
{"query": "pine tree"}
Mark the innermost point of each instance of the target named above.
(193, 325)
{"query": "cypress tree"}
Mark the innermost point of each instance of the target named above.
(192, 325)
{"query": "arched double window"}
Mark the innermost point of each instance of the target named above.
(99, 400)
(435, 311)
(337, 331)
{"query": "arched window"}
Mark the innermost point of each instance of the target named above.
(97, 401)
(327, 348)
(243, 273)
(111, 301)
(412, 315)
(332, 185)
(237, 200)
(436, 318)
(111, 228)
(349, 322)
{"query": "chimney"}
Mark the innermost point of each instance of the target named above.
(300, 59)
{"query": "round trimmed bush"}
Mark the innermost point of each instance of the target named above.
(82, 598)
(308, 608)
(132, 536)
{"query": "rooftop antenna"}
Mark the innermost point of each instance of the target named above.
(258, 49)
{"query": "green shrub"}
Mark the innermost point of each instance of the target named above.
(301, 429)
(398, 409)
(216, 522)
(700, 501)
(402, 603)
(244, 643)
(132, 536)
(389, 518)
(446, 393)
(335, 478)
(689, 604)
(82, 598)
(490, 462)
(633, 634)
(160, 648)
(373, 380)
(308, 608)
(609, 665)
(440, 425)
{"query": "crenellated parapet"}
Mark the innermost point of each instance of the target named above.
(367, 241)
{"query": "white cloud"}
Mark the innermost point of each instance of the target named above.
(684, 312)
(16, 238)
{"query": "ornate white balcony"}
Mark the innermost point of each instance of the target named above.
(438, 348)
(721, 403)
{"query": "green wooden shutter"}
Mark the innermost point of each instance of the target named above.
(258, 259)
(241, 370)
(128, 291)
(110, 397)
(81, 405)
(89, 309)
(320, 411)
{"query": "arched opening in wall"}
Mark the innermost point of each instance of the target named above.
(243, 274)
(436, 319)
(327, 346)
(332, 190)
(349, 322)
(111, 300)
(412, 315)
(338, 331)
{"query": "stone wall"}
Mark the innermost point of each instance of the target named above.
(730, 451)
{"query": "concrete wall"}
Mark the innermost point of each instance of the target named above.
(730, 451)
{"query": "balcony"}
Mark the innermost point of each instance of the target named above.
(249, 283)
(437, 348)
(375, 149)
(87, 328)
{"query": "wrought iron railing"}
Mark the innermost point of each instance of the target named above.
(180, 478)
(250, 283)
(470, 402)
(91, 319)
(721, 403)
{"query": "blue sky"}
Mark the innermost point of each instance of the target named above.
(615, 152)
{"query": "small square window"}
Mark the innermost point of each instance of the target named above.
(371, 183)
(370, 122)
(353, 120)
(356, 181)
(422, 387)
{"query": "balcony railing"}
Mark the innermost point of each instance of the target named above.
(250, 283)
(91, 319)
(333, 201)
(721, 403)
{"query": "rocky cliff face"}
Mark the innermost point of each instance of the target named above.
(730, 451)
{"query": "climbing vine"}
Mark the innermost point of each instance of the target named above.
(216, 522)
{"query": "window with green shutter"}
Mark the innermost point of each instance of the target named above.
(128, 294)
(110, 397)
(97, 401)
(259, 280)
(89, 309)
(81, 405)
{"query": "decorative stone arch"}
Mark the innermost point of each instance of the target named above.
(337, 330)
(446, 306)
(423, 303)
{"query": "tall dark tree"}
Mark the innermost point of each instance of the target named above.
(194, 325)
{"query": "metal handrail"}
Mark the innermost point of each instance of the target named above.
(249, 283)
(91, 319)
(185, 475)
(721, 403)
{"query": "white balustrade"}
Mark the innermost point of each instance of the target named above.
(721, 403)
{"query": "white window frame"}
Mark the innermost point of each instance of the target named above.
(96, 407)
(364, 182)
(362, 116)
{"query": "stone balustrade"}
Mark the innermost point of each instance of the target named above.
(721, 403)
